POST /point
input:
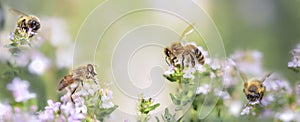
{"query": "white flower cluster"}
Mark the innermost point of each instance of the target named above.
(65, 110)
(295, 62)
(86, 95)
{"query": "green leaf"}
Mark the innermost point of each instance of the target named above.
(175, 100)
(172, 79)
(157, 119)
(104, 112)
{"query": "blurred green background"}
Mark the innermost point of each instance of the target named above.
(272, 27)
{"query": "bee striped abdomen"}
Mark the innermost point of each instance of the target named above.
(199, 56)
(66, 81)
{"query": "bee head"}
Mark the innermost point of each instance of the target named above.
(91, 69)
(34, 24)
(252, 88)
(253, 97)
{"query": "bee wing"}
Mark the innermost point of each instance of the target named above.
(266, 76)
(17, 12)
(188, 30)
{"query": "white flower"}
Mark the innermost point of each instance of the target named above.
(246, 110)
(215, 64)
(89, 89)
(286, 116)
(20, 90)
(170, 70)
(203, 89)
(188, 73)
(235, 107)
(80, 106)
(106, 96)
(295, 61)
(254, 102)
(39, 64)
(223, 94)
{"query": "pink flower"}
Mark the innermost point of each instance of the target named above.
(20, 90)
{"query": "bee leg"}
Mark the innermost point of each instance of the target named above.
(73, 93)
(81, 83)
(95, 81)
(93, 78)
(166, 59)
(182, 62)
(173, 61)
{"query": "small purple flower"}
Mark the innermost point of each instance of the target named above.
(106, 96)
(20, 90)
(269, 98)
(5, 112)
(249, 62)
(50, 110)
(229, 73)
(53, 106)
(278, 84)
(76, 117)
(68, 108)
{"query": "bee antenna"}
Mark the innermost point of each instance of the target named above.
(244, 77)
(266, 76)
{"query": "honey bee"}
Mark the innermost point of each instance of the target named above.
(27, 24)
(78, 75)
(178, 50)
(254, 89)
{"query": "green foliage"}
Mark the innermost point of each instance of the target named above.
(104, 112)
(167, 117)
(145, 106)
